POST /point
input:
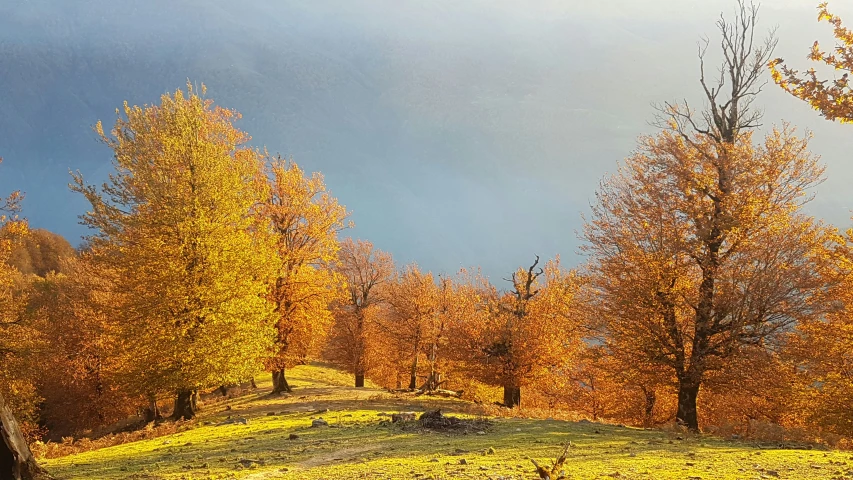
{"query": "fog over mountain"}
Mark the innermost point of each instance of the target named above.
(458, 133)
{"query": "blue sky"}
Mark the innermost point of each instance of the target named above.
(458, 133)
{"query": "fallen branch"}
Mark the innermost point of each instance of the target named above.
(554, 472)
(440, 392)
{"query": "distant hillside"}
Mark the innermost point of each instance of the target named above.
(40, 253)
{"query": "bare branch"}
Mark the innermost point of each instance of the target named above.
(743, 64)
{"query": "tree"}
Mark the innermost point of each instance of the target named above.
(177, 241)
(820, 347)
(83, 388)
(418, 322)
(756, 389)
(524, 332)
(20, 337)
(413, 301)
(453, 306)
(305, 220)
(40, 252)
(820, 351)
(698, 248)
(597, 383)
(16, 460)
(13, 230)
(698, 251)
(365, 270)
(833, 99)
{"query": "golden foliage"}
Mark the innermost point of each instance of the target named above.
(820, 350)
(832, 98)
(519, 335)
(304, 220)
(40, 252)
(354, 341)
(699, 250)
(177, 243)
(84, 388)
(17, 336)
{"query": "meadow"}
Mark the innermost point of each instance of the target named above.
(262, 436)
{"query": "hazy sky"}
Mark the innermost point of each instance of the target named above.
(458, 133)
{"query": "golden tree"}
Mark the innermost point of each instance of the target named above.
(176, 238)
(366, 271)
(16, 338)
(524, 333)
(305, 220)
(756, 389)
(820, 348)
(598, 384)
(410, 321)
(414, 328)
(40, 252)
(832, 98)
(454, 304)
(82, 390)
(16, 335)
(698, 246)
(698, 252)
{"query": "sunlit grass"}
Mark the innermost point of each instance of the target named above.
(358, 444)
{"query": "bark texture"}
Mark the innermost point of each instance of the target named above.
(279, 382)
(186, 405)
(16, 459)
(512, 396)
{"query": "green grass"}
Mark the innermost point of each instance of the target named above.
(358, 444)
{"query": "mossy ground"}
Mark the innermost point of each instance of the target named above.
(358, 444)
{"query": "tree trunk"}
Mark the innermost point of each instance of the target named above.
(152, 411)
(252, 382)
(432, 381)
(651, 400)
(413, 375)
(359, 380)
(279, 382)
(688, 391)
(512, 396)
(16, 459)
(186, 405)
(194, 398)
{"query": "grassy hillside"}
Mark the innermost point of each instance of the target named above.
(360, 442)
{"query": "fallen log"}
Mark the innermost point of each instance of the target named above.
(445, 393)
(440, 392)
(401, 390)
